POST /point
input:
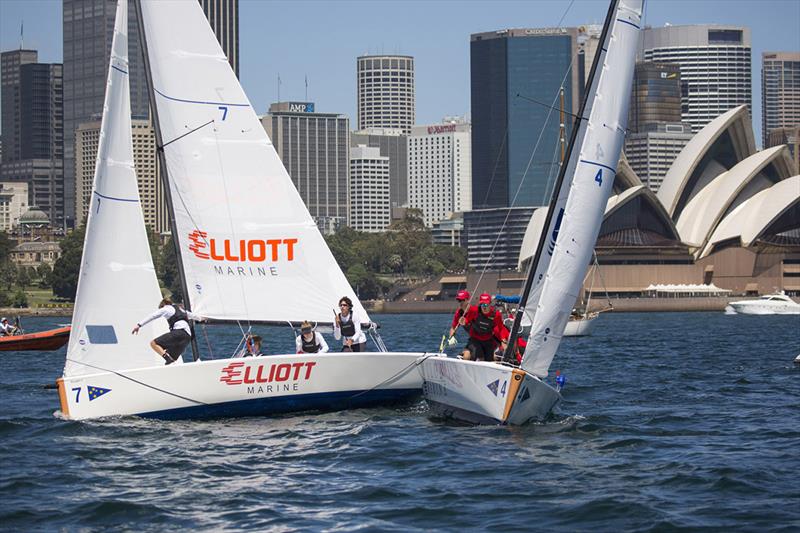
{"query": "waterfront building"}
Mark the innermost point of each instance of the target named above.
(652, 150)
(13, 203)
(369, 190)
(494, 236)
(151, 187)
(780, 92)
(88, 27)
(440, 169)
(393, 143)
(513, 72)
(449, 232)
(715, 67)
(32, 129)
(314, 149)
(385, 92)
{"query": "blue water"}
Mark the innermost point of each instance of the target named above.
(681, 421)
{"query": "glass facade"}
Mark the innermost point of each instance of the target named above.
(515, 82)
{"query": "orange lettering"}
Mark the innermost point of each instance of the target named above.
(228, 255)
(214, 255)
(274, 243)
(289, 248)
(256, 255)
(309, 366)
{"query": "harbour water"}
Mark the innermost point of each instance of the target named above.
(671, 421)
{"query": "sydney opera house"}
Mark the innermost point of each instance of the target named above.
(725, 214)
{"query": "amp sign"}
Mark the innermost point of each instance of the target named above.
(301, 107)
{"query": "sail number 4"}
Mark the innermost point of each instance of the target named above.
(599, 178)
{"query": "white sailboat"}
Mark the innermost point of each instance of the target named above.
(485, 392)
(248, 249)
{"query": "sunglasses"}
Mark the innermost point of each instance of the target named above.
(343, 305)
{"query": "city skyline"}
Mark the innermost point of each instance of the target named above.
(434, 33)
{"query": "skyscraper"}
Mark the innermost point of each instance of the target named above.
(386, 92)
(88, 27)
(393, 143)
(516, 76)
(314, 149)
(32, 129)
(714, 62)
(780, 92)
(369, 190)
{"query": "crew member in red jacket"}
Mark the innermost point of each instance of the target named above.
(482, 320)
(463, 307)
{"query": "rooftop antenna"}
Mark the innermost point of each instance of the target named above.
(306, 87)
(279, 86)
(22, 34)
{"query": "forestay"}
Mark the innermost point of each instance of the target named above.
(578, 211)
(117, 284)
(249, 247)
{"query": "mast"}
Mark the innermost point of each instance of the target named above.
(162, 162)
(579, 116)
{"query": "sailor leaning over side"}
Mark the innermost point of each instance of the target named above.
(171, 345)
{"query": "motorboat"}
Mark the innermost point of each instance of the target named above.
(769, 304)
(52, 339)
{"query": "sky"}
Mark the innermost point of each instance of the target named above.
(320, 40)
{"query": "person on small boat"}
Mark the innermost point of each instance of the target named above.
(482, 320)
(463, 306)
(252, 346)
(348, 328)
(310, 341)
(6, 329)
(170, 345)
(501, 335)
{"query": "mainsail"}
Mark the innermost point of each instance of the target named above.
(249, 248)
(117, 284)
(576, 214)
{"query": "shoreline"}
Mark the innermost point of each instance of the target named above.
(620, 305)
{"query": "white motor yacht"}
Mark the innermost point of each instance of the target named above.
(770, 304)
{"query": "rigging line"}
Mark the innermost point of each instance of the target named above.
(550, 107)
(137, 381)
(565, 14)
(402, 372)
(602, 281)
(185, 134)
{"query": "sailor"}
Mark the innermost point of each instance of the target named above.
(348, 328)
(482, 320)
(6, 329)
(252, 346)
(310, 341)
(463, 305)
(171, 345)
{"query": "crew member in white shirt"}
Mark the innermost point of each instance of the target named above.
(310, 341)
(348, 328)
(171, 345)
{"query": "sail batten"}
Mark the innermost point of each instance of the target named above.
(577, 210)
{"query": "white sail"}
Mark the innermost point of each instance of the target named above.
(117, 284)
(578, 211)
(249, 247)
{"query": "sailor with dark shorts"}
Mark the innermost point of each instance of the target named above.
(171, 345)
(310, 341)
(348, 328)
(482, 320)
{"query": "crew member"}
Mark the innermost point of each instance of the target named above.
(171, 345)
(6, 329)
(252, 346)
(348, 328)
(482, 320)
(310, 341)
(463, 305)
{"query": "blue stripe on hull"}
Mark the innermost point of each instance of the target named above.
(325, 401)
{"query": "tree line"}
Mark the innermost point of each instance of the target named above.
(372, 262)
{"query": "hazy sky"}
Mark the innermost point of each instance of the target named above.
(321, 40)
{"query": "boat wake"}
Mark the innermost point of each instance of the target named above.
(730, 310)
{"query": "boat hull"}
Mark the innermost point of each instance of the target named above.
(754, 307)
(43, 340)
(485, 393)
(579, 328)
(253, 386)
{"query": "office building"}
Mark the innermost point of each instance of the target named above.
(88, 27)
(516, 76)
(386, 92)
(32, 129)
(151, 189)
(369, 190)
(13, 203)
(791, 138)
(440, 169)
(656, 95)
(314, 149)
(494, 236)
(780, 92)
(393, 143)
(715, 67)
(651, 151)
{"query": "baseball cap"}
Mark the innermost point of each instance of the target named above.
(485, 298)
(462, 295)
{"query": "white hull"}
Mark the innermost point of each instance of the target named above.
(580, 327)
(485, 393)
(756, 307)
(245, 386)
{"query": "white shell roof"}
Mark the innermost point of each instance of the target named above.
(703, 212)
(682, 169)
(752, 218)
